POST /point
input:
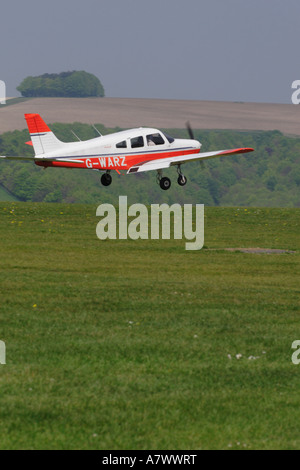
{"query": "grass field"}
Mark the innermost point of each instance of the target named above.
(143, 345)
(5, 196)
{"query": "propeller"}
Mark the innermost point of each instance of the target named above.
(191, 134)
(190, 130)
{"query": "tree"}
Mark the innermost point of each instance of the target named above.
(66, 84)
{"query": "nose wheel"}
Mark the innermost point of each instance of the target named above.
(181, 178)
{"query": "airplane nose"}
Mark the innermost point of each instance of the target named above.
(197, 144)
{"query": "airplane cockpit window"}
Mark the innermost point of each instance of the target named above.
(122, 145)
(170, 139)
(155, 139)
(137, 142)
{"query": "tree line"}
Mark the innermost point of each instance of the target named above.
(66, 84)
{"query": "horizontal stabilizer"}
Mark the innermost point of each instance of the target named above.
(17, 158)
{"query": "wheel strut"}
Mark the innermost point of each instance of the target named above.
(181, 178)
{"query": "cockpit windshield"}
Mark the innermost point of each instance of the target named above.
(170, 139)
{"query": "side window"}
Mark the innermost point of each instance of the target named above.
(137, 142)
(155, 139)
(122, 145)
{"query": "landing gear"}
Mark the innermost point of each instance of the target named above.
(165, 183)
(181, 178)
(106, 179)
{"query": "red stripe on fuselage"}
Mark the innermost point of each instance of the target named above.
(122, 162)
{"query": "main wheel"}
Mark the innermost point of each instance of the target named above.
(106, 179)
(181, 180)
(165, 183)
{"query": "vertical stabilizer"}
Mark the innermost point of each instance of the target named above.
(43, 139)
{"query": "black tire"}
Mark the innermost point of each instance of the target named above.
(106, 179)
(181, 180)
(165, 183)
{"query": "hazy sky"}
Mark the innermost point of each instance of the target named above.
(229, 50)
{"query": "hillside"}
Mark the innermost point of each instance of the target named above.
(270, 176)
(126, 113)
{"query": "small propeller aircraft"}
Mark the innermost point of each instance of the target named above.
(133, 150)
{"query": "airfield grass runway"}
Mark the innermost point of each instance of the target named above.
(143, 345)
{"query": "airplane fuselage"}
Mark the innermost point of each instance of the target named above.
(119, 151)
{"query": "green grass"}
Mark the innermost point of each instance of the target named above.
(6, 196)
(125, 344)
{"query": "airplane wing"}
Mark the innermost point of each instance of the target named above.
(17, 158)
(167, 162)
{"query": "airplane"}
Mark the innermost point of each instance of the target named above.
(134, 150)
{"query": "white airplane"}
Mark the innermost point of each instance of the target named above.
(134, 150)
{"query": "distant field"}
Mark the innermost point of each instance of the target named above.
(14, 101)
(126, 113)
(143, 345)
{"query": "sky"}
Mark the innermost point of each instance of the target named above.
(220, 50)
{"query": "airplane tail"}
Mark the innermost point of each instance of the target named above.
(43, 139)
